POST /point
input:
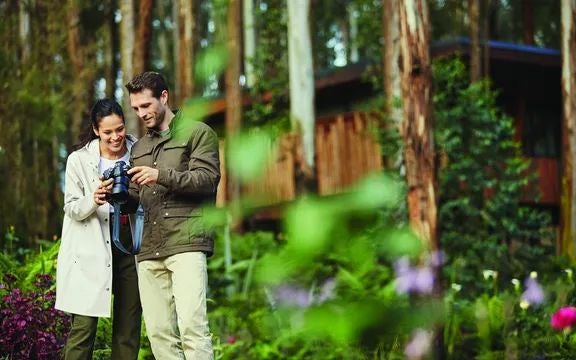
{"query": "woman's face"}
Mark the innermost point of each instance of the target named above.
(112, 133)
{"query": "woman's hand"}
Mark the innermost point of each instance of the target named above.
(103, 188)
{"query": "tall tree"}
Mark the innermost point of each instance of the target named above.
(475, 46)
(142, 47)
(568, 197)
(233, 89)
(111, 50)
(528, 22)
(301, 77)
(391, 70)
(417, 122)
(76, 55)
(479, 13)
(127, 60)
(184, 50)
(249, 41)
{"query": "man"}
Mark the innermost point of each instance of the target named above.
(175, 172)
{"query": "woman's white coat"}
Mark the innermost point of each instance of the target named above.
(84, 268)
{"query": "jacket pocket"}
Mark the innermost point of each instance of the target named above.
(175, 156)
(141, 153)
(183, 225)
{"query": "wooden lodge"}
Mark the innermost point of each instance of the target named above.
(527, 77)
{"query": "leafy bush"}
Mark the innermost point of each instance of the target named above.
(324, 287)
(31, 327)
(483, 178)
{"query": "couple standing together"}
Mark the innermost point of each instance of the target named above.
(175, 171)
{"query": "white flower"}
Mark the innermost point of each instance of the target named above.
(489, 274)
(456, 287)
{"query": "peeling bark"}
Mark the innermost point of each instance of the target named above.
(417, 122)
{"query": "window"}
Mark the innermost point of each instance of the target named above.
(541, 131)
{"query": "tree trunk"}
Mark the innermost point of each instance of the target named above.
(143, 40)
(567, 214)
(485, 29)
(185, 51)
(354, 54)
(127, 61)
(76, 55)
(111, 51)
(528, 22)
(301, 79)
(164, 55)
(233, 89)
(475, 47)
(249, 41)
(417, 123)
(143, 44)
(391, 71)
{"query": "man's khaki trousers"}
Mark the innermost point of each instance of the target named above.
(173, 295)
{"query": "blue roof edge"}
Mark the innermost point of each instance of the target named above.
(496, 44)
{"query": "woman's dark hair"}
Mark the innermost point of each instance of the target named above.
(101, 109)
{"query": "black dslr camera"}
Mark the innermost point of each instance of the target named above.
(117, 197)
(119, 193)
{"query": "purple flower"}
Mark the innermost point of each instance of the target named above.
(419, 344)
(437, 258)
(413, 279)
(534, 294)
(326, 291)
(290, 295)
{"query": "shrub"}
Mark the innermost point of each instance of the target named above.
(30, 326)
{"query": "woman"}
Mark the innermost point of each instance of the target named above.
(89, 268)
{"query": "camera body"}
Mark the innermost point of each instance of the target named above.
(120, 185)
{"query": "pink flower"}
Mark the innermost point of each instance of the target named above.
(563, 318)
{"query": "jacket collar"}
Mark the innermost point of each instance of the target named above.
(173, 122)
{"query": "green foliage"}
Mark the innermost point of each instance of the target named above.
(505, 19)
(269, 93)
(495, 325)
(483, 178)
(323, 288)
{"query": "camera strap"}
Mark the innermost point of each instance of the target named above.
(137, 230)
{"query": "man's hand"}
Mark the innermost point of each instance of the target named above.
(143, 175)
(104, 188)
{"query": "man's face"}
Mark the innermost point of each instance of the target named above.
(149, 109)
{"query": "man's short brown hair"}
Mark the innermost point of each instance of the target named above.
(147, 80)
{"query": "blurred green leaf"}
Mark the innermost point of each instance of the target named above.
(309, 224)
(211, 62)
(248, 154)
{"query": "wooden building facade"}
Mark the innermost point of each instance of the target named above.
(527, 77)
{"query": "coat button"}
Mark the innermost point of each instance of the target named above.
(166, 214)
(157, 254)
